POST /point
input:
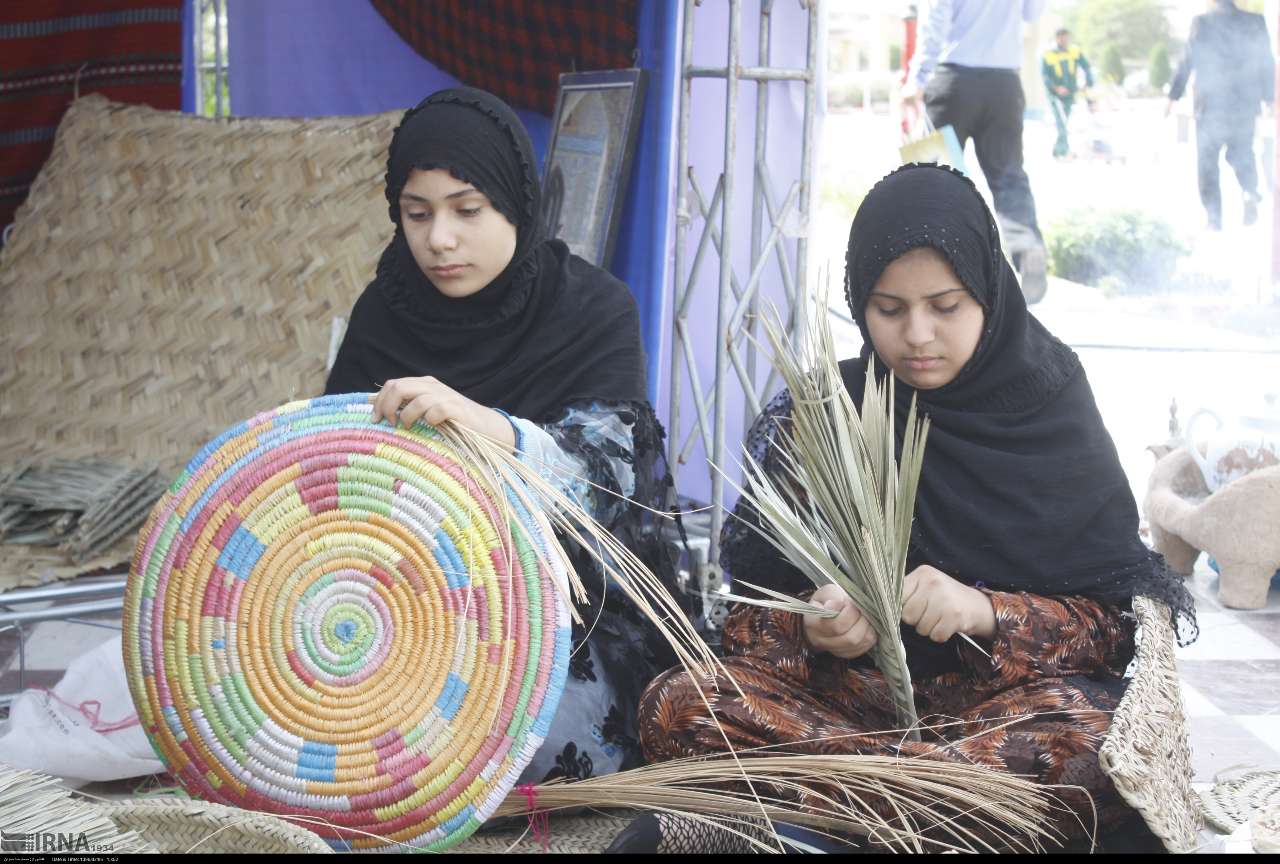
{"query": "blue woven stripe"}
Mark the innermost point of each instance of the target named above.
(455, 569)
(54, 26)
(241, 553)
(450, 699)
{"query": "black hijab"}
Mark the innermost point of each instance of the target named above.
(549, 330)
(1022, 489)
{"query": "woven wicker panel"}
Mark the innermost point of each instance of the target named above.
(565, 835)
(1146, 753)
(1234, 801)
(170, 275)
(176, 826)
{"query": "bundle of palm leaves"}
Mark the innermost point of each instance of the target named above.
(840, 509)
(896, 804)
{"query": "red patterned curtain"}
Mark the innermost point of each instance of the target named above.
(517, 49)
(128, 50)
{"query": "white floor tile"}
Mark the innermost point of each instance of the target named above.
(1224, 636)
(1196, 705)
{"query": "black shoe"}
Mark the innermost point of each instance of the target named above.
(1033, 270)
(1250, 209)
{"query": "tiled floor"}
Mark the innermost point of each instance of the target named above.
(1231, 683)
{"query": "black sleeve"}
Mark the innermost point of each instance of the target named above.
(1266, 64)
(1180, 78)
(350, 372)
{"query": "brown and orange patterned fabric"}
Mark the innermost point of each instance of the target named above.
(1056, 662)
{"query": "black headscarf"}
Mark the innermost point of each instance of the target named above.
(519, 343)
(1021, 489)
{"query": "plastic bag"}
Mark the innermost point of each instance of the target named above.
(83, 730)
(935, 145)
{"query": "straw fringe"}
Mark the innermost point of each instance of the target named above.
(33, 805)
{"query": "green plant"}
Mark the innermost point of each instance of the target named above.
(1113, 64)
(1133, 26)
(895, 57)
(1120, 251)
(1159, 73)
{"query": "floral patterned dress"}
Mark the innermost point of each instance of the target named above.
(615, 651)
(1058, 662)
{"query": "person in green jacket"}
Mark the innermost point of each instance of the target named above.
(1061, 67)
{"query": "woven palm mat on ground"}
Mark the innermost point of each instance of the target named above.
(169, 275)
(1232, 803)
(587, 833)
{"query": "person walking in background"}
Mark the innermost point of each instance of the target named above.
(1061, 66)
(1230, 53)
(965, 71)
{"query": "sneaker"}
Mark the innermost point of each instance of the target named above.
(1250, 209)
(1033, 273)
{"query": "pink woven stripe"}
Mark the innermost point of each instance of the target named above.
(300, 670)
(381, 575)
(409, 572)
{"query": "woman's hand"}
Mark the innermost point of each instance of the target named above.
(847, 635)
(940, 607)
(407, 400)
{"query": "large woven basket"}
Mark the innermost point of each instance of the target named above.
(348, 622)
(1146, 753)
(170, 275)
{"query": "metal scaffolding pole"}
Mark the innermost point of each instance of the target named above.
(738, 301)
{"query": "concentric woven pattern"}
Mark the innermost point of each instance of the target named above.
(1146, 753)
(170, 275)
(337, 619)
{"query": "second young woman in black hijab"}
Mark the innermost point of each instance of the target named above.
(475, 318)
(1025, 538)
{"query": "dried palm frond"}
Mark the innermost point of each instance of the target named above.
(621, 566)
(778, 600)
(38, 815)
(841, 511)
(903, 804)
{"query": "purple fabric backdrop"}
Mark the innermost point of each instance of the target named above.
(300, 58)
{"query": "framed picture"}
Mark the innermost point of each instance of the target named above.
(593, 137)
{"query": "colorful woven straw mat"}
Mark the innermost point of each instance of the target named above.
(338, 620)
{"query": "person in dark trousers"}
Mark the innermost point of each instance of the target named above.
(1061, 66)
(1230, 53)
(966, 71)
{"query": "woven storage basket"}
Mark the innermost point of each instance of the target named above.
(1146, 753)
(342, 620)
(170, 275)
(175, 827)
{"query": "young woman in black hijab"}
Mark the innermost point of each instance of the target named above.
(474, 317)
(1025, 538)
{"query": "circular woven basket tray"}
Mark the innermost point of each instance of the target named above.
(343, 622)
